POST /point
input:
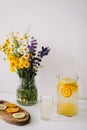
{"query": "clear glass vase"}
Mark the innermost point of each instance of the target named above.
(27, 92)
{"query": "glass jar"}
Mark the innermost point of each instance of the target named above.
(67, 95)
(27, 92)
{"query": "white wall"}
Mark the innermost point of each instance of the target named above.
(59, 24)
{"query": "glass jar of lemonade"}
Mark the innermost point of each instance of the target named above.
(67, 95)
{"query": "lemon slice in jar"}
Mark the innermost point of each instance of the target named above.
(19, 115)
(66, 91)
(67, 81)
(67, 109)
(2, 107)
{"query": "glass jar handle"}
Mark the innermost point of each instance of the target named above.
(82, 88)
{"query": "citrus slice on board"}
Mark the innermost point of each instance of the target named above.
(19, 115)
(66, 92)
(12, 110)
(10, 105)
(2, 107)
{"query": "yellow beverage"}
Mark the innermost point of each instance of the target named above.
(67, 94)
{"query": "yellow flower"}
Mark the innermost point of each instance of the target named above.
(21, 65)
(26, 64)
(16, 61)
(8, 50)
(12, 65)
(5, 46)
(25, 36)
(10, 57)
(7, 40)
(22, 58)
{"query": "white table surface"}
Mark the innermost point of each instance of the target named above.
(58, 122)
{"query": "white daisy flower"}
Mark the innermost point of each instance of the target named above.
(20, 50)
(25, 49)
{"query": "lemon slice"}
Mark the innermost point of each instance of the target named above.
(2, 107)
(19, 115)
(67, 81)
(66, 92)
(67, 109)
(74, 88)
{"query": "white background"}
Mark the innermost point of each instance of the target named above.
(59, 24)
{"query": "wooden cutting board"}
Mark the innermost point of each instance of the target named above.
(8, 117)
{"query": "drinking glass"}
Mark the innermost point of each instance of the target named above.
(46, 107)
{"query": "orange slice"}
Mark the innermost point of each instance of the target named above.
(66, 92)
(10, 105)
(12, 110)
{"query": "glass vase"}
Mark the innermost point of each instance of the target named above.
(27, 92)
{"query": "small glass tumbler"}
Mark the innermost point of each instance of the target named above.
(46, 107)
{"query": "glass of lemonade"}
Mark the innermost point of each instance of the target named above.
(67, 95)
(46, 106)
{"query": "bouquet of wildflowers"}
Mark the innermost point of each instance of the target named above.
(22, 54)
(25, 59)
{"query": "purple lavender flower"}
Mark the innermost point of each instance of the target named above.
(33, 46)
(36, 58)
(43, 52)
